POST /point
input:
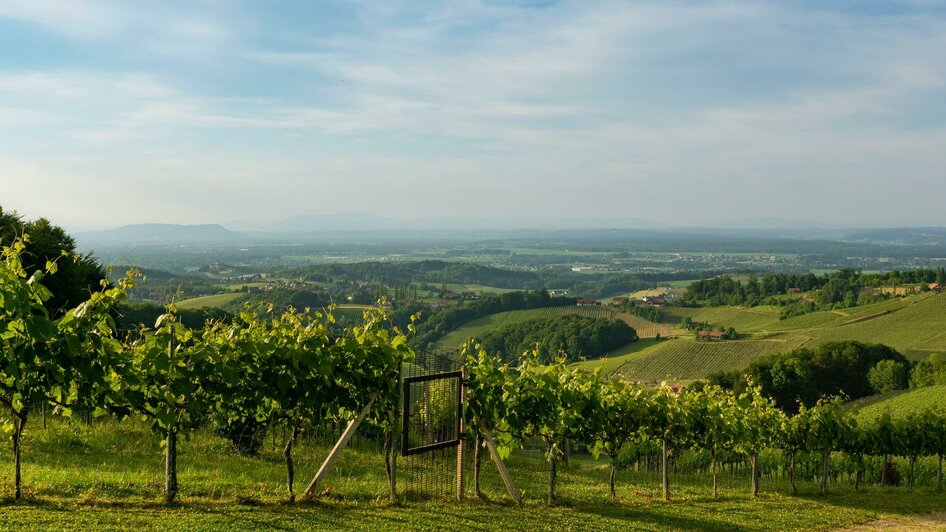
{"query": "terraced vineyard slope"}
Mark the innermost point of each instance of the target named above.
(685, 359)
(902, 403)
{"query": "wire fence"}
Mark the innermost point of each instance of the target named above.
(431, 428)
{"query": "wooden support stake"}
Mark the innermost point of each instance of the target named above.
(503, 472)
(337, 450)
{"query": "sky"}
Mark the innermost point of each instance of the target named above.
(684, 113)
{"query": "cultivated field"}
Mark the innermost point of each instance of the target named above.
(644, 328)
(915, 326)
(686, 359)
(899, 404)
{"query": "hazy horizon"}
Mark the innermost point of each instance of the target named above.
(679, 113)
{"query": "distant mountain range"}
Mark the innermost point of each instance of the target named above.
(355, 226)
(160, 234)
(345, 222)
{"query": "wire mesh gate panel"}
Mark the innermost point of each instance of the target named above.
(431, 428)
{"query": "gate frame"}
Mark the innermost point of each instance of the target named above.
(406, 450)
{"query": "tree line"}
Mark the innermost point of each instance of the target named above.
(431, 326)
(573, 336)
(841, 288)
(804, 375)
(854, 369)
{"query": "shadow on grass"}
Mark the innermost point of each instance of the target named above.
(882, 500)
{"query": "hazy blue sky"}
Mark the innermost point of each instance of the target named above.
(681, 112)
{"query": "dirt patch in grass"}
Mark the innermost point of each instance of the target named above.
(914, 523)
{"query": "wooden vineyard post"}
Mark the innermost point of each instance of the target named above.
(503, 472)
(461, 447)
(337, 450)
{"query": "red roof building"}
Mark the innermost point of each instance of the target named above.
(711, 335)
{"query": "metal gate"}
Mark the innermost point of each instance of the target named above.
(432, 427)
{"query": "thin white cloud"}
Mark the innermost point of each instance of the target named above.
(577, 107)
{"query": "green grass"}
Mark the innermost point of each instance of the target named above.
(108, 476)
(914, 326)
(615, 359)
(478, 327)
(899, 404)
(216, 300)
(685, 359)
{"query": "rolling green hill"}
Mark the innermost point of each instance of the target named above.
(644, 328)
(901, 403)
(914, 325)
(216, 300)
(686, 359)
(743, 319)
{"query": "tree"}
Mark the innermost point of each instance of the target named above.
(929, 371)
(49, 359)
(75, 279)
(888, 376)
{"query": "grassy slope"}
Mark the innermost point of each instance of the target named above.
(743, 319)
(687, 359)
(217, 300)
(108, 476)
(644, 328)
(901, 403)
(615, 359)
(916, 326)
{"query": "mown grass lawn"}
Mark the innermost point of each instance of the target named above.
(109, 476)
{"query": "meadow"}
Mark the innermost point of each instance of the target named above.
(108, 475)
